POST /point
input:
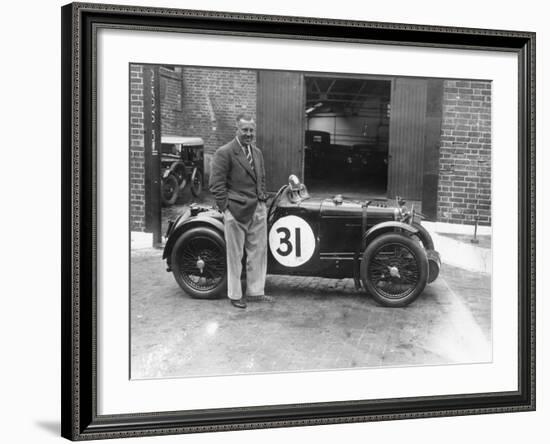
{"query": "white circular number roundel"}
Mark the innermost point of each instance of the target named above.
(291, 241)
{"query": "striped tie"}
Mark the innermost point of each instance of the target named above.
(249, 156)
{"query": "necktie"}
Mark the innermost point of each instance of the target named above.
(249, 156)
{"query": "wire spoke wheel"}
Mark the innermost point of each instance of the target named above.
(394, 269)
(199, 263)
(399, 277)
(169, 190)
(203, 264)
(196, 183)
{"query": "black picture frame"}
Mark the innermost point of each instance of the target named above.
(80, 420)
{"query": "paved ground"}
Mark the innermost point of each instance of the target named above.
(313, 324)
(483, 241)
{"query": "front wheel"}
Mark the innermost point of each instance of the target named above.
(394, 269)
(170, 189)
(199, 264)
(196, 183)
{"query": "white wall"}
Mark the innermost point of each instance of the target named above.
(30, 230)
(344, 130)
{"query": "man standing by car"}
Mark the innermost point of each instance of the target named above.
(237, 181)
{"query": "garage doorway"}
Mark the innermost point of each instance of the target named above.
(347, 136)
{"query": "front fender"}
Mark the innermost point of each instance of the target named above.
(175, 168)
(187, 222)
(386, 227)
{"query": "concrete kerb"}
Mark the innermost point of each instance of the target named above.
(141, 241)
(460, 253)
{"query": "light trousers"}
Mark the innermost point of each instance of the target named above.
(252, 238)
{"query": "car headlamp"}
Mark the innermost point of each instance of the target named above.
(294, 182)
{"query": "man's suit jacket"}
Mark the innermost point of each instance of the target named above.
(233, 182)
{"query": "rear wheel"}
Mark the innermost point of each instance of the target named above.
(394, 269)
(198, 263)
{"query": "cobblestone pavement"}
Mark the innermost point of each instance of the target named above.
(312, 324)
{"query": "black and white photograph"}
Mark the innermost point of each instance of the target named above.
(295, 221)
(289, 222)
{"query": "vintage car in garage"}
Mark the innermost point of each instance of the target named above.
(326, 160)
(383, 247)
(370, 160)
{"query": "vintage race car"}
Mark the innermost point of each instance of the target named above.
(382, 247)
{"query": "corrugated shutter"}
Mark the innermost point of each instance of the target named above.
(280, 126)
(407, 138)
(434, 113)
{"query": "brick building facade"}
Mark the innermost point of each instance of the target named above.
(171, 97)
(137, 159)
(464, 190)
(203, 102)
(196, 102)
(212, 98)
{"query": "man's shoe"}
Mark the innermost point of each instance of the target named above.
(261, 298)
(239, 303)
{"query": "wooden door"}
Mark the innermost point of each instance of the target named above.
(407, 138)
(280, 125)
(434, 118)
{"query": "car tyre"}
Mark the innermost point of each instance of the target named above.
(196, 183)
(198, 263)
(170, 190)
(394, 269)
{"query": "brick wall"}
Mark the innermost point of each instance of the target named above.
(137, 171)
(171, 96)
(465, 154)
(212, 98)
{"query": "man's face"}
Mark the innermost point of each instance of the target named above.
(246, 130)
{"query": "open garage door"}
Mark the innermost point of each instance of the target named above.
(346, 143)
(280, 126)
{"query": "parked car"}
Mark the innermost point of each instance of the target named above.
(315, 141)
(326, 160)
(370, 159)
(383, 247)
(182, 162)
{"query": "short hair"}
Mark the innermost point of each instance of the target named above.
(246, 117)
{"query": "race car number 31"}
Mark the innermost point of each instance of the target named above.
(291, 241)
